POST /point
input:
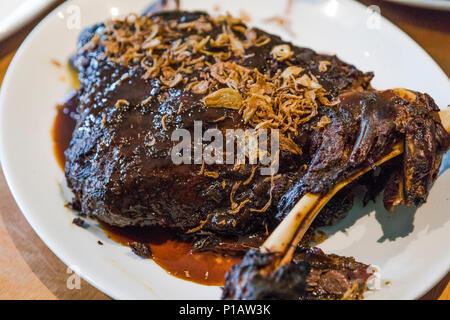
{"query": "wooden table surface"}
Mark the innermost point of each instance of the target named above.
(29, 270)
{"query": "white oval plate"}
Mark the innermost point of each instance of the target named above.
(430, 4)
(16, 13)
(411, 249)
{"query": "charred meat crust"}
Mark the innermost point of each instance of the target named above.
(245, 281)
(140, 249)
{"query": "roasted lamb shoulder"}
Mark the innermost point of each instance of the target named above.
(143, 77)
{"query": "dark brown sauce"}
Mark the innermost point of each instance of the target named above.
(173, 255)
